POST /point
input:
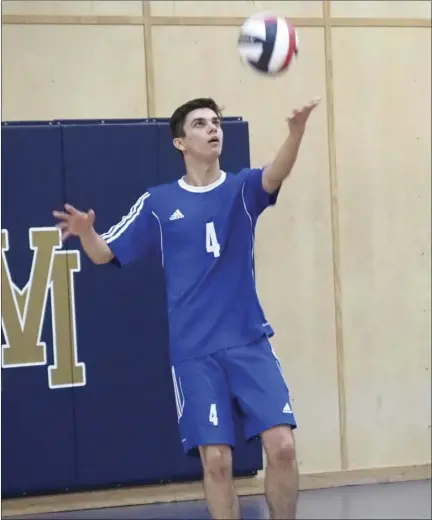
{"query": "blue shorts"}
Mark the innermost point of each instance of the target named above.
(206, 389)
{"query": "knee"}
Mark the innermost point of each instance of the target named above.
(217, 462)
(280, 448)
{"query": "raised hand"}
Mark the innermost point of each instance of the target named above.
(74, 222)
(298, 119)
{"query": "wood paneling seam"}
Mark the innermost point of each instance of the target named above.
(218, 21)
(334, 208)
(148, 54)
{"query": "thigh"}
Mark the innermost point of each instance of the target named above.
(258, 384)
(204, 404)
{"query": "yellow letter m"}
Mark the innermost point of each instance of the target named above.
(23, 310)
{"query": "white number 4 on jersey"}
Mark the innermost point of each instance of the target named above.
(213, 418)
(212, 244)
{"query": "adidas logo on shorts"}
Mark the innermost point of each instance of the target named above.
(287, 409)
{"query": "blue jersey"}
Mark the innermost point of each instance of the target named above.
(205, 237)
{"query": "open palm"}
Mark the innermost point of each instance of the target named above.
(74, 222)
(298, 119)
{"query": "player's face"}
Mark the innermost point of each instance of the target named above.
(203, 135)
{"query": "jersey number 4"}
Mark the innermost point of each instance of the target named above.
(212, 244)
(213, 417)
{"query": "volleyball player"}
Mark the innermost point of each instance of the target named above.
(203, 225)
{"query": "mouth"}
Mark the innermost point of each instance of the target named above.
(214, 140)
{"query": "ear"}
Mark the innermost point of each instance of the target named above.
(178, 143)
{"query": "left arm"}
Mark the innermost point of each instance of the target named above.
(277, 171)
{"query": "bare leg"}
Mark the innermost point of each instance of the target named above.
(221, 497)
(281, 478)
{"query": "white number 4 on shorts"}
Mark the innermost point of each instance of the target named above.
(213, 418)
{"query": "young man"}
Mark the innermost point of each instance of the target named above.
(203, 226)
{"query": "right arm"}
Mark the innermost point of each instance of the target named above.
(127, 240)
(95, 247)
(80, 224)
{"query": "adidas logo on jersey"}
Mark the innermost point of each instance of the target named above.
(287, 409)
(176, 215)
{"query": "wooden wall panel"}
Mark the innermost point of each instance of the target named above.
(382, 95)
(294, 250)
(294, 8)
(72, 72)
(383, 136)
(72, 7)
(381, 8)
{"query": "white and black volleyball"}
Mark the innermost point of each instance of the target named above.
(268, 43)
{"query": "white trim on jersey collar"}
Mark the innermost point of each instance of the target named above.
(202, 189)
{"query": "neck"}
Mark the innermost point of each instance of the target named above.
(199, 174)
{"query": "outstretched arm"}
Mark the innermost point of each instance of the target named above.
(78, 223)
(276, 172)
(136, 235)
(95, 247)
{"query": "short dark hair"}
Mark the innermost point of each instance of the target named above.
(178, 118)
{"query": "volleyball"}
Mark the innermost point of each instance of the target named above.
(268, 43)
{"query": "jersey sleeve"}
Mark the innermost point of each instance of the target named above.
(255, 197)
(135, 235)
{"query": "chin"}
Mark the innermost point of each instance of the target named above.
(212, 155)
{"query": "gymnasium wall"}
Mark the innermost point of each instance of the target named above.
(343, 262)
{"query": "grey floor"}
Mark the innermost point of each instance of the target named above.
(410, 500)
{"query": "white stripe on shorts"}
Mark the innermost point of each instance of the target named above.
(178, 398)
